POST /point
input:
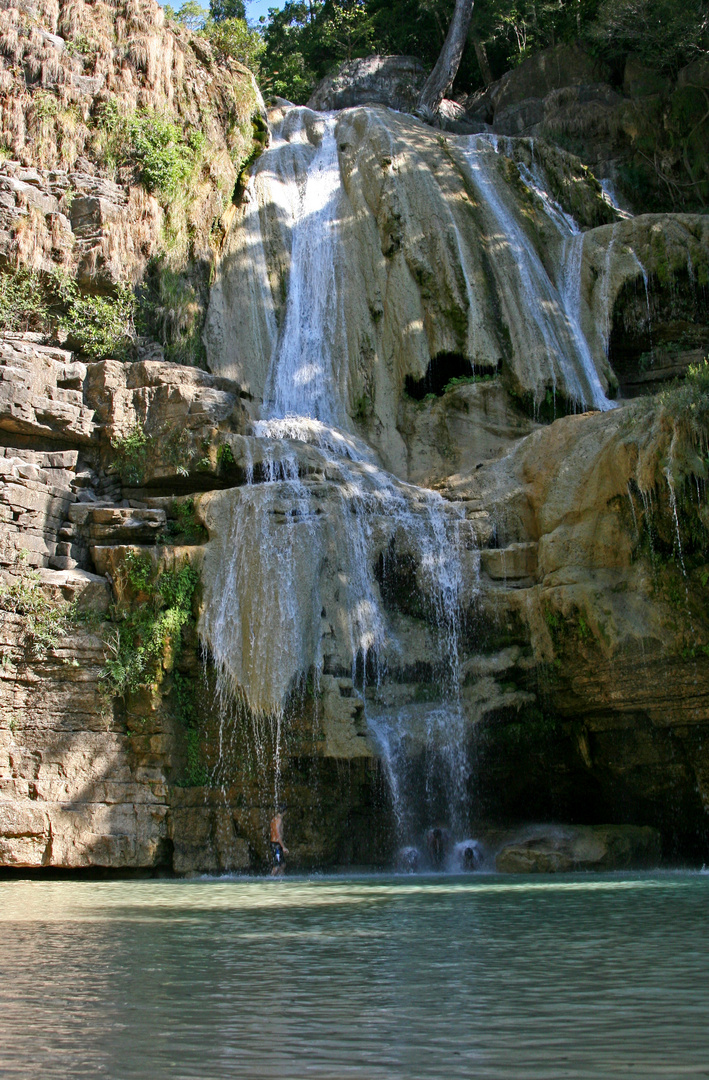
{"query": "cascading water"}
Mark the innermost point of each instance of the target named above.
(321, 498)
(312, 556)
(554, 328)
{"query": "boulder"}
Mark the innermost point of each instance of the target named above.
(562, 849)
(395, 81)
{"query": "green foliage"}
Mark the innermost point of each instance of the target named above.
(224, 10)
(23, 301)
(232, 38)
(184, 694)
(190, 14)
(183, 525)
(149, 631)
(45, 620)
(688, 402)
(131, 454)
(225, 456)
(167, 156)
(466, 380)
(664, 34)
(171, 309)
(99, 326)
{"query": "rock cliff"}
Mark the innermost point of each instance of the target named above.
(213, 600)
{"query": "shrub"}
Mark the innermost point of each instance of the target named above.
(233, 38)
(132, 454)
(167, 158)
(45, 621)
(687, 402)
(23, 301)
(100, 326)
(146, 632)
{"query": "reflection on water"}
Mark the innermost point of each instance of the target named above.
(356, 977)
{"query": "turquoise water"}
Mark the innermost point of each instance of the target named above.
(370, 977)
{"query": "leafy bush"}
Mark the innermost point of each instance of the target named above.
(132, 454)
(151, 628)
(232, 37)
(23, 301)
(688, 402)
(662, 33)
(45, 620)
(183, 524)
(167, 157)
(100, 326)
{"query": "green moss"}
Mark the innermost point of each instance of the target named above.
(466, 380)
(182, 526)
(687, 402)
(185, 703)
(171, 310)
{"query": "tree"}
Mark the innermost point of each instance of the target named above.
(220, 10)
(192, 15)
(232, 37)
(446, 67)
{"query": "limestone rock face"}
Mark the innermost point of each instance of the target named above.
(63, 202)
(41, 392)
(395, 81)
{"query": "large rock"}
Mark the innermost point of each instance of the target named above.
(562, 849)
(395, 81)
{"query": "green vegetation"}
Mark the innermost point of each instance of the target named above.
(166, 154)
(171, 310)
(688, 402)
(225, 456)
(225, 27)
(46, 621)
(184, 694)
(183, 525)
(466, 380)
(308, 38)
(148, 631)
(132, 454)
(98, 326)
(24, 303)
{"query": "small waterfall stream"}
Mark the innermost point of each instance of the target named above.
(553, 317)
(309, 541)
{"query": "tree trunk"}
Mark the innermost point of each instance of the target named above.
(441, 78)
(483, 62)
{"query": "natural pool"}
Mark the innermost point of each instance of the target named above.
(356, 977)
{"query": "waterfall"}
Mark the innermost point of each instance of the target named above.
(303, 540)
(317, 561)
(553, 328)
